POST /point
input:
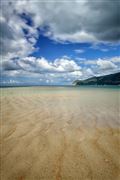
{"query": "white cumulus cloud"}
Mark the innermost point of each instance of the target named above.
(105, 64)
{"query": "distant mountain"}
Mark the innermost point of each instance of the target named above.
(111, 79)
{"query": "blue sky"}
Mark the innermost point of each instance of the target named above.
(52, 50)
(55, 43)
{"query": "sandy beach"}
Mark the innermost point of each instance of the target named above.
(52, 133)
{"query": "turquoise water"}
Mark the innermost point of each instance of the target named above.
(57, 90)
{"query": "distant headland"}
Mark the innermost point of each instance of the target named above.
(111, 79)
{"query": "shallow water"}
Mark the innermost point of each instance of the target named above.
(60, 133)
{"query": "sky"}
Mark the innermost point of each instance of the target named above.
(55, 42)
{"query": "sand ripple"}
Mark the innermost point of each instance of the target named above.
(64, 136)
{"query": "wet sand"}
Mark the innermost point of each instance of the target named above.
(60, 134)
